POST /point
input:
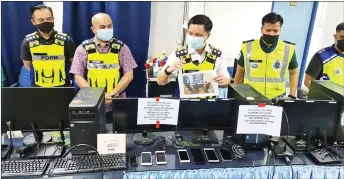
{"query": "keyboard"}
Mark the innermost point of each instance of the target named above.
(20, 168)
(91, 163)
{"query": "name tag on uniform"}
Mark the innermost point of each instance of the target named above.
(255, 61)
(191, 71)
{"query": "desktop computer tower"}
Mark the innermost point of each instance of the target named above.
(247, 95)
(87, 119)
(327, 90)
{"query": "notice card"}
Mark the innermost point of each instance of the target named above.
(253, 119)
(151, 110)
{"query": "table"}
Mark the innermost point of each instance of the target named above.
(254, 165)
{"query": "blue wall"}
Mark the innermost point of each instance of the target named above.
(296, 25)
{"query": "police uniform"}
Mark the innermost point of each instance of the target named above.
(49, 58)
(327, 64)
(267, 72)
(103, 69)
(194, 65)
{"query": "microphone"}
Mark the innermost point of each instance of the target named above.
(10, 129)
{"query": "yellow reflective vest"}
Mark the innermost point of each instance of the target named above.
(103, 68)
(194, 66)
(267, 72)
(333, 65)
(48, 60)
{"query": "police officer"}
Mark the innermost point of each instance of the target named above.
(49, 52)
(197, 55)
(328, 63)
(104, 61)
(263, 62)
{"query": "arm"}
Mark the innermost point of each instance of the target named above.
(240, 70)
(173, 63)
(124, 82)
(293, 75)
(222, 78)
(25, 54)
(70, 49)
(313, 71)
(127, 64)
(293, 81)
(78, 67)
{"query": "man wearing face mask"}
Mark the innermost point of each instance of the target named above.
(49, 53)
(104, 61)
(197, 55)
(328, 63)
(263, 62)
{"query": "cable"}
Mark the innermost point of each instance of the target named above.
(274, 165)
(161, 142)
(86, 145)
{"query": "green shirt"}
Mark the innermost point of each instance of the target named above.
(268, 49)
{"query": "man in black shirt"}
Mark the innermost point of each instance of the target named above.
(328, 63)
(49, 52)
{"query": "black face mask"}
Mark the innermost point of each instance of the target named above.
(46, 27)
(270, 39)
(340, 45)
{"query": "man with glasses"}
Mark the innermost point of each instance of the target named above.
(49, 52)
(197, 55)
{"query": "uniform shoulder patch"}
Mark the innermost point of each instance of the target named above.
(61, 36)
(215, 51)
(181, 51)
(31, 37)
(118, 42)
(87, 42)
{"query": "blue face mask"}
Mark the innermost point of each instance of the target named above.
(195, 42)
(105, 34)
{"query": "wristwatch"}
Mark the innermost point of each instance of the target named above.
(167, 73)
(291, 96)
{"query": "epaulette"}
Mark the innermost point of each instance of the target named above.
(288, 42)
(61, 36)
(87, 42)
(248, 41)
(182, 51)
(215, 51)
(31, 37)
(117, 42)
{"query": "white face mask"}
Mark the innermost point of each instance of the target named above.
(195, 42)
(104, 34)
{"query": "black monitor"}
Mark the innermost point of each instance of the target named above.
(327, 90)
(45, 107)
(125, 121)
(310, 117)
(201, 116)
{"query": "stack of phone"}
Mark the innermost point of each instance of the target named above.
(160, 156)
(198, 157)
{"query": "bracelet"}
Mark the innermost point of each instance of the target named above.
(167, 73)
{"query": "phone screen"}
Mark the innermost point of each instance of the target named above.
(197, 156)
(183, 155)
(226, 155)
(146, 158)
(211, 155)
(160, 157)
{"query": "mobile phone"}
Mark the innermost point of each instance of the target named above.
(197, 156)
(211, 155)
(146, 158)
(160, 157)
(225, 155)
(183, 156)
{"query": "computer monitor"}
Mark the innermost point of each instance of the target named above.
(45, 107)
(327, 90)
(125, 121)
(310, 117)
(201, 116)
